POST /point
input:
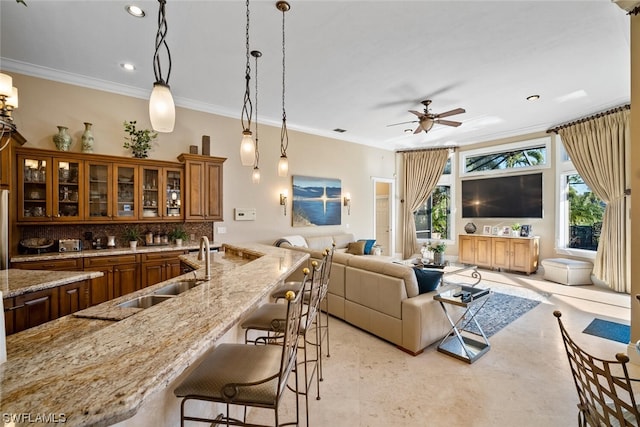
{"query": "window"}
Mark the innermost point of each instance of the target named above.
(522, 155)
(580, 211)
(433, 218)
(584, 210)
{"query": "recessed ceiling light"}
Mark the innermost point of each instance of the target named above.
(339, 130)
(533, 97)
(408, 131)
(135, 11)
(128, 66)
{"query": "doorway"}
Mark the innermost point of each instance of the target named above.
(384, 214)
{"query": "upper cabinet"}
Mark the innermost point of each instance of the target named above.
(75, 187)
(8, 141)
(203, 176)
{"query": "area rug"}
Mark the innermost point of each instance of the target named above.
(499, 311)
(609, 330)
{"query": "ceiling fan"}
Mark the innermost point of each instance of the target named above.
(426, 120)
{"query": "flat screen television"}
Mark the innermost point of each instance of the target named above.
(515, 196)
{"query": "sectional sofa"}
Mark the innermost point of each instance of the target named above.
(376, 294)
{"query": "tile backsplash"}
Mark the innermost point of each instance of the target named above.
(101, 231)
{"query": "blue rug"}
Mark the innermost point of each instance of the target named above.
(609, 330)
(499, 311)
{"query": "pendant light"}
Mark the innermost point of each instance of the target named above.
(283, 164)
(162, 110)
(255, 175)
(247, 146)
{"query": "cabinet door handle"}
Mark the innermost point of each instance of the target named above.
(17, 307)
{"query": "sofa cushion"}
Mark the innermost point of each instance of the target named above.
(356, 248)
(296, 240)
(343, 239)
(319, 243)
(368, 245)
(377, 265)
(428, 280)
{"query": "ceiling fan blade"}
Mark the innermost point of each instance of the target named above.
(416, 113)
(402, 123)
(418, 129)
(451, 113)
(448, 122)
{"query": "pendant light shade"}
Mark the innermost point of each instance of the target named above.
(255, 176)
(6, 83)
(283, 166)
(162, 110)
(247, 149)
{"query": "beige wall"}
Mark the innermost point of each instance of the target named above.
(45, 104)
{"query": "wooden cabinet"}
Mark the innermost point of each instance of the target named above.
(516, 254)
(161, 193)
(508, 253)
(98, 198)
(475, 250)
(160, 266)
(203, 177)
(73, 297)
(7, 143)
(68, 264)
(31, 309)
(121, 275)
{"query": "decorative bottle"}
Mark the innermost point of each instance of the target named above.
(87, 139)
(62, 139)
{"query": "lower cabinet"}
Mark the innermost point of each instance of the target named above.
(31, 309)
(160, 266)
(121, 276)
(507, 253)
(73, 297)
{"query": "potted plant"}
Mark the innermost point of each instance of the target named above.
(132, 234)
(438, 249)
(139, 140)
(515, 228)
(178, 235)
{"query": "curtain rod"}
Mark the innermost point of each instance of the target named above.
(555, 129)
(416, 150)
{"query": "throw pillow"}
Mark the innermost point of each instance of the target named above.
(368, 245)
(428, 280)
(356, 248)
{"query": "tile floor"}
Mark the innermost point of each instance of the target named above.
(524, 380)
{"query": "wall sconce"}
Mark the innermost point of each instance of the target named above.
(8, 102)
(283, 201)
(347, 202)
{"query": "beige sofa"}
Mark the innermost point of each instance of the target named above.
(376, 294)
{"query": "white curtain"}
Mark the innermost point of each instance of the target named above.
(597, 148)
(421, 172)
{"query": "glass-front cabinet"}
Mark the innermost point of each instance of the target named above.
(126, 192)
(161, 193)
(34, 179)
(68, 180)
(173, 195)
(99, 194)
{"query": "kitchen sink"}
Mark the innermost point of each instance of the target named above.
(145, 301)
(177, 287)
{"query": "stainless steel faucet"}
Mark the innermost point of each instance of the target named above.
(206, 256)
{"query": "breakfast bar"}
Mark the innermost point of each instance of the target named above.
(87, 370)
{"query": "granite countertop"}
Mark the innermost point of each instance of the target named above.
(15, 282)
(99, 372)
(108, 252)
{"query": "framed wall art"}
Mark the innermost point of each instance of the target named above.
(525, 230)
(316, 201)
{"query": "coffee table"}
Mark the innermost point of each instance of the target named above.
(457, 342)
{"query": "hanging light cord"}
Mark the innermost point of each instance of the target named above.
(256, 56)
(284, 136)
(247, 107)
(160, 42)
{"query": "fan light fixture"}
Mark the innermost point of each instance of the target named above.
(247, 145)
(283, 164)
(255, 176)
(162, 110)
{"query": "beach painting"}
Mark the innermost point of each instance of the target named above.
(316, 201)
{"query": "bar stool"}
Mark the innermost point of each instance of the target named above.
(266, 319)
(247, 375)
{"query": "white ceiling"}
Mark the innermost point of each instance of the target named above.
(355, 65)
